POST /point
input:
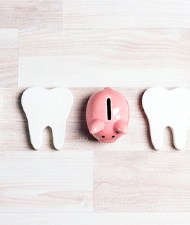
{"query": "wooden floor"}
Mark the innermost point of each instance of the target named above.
(86, 45)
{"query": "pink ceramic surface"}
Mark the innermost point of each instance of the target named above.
(107, 115)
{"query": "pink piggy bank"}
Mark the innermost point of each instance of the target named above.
(107, 115)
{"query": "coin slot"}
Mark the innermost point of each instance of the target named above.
(109, 109)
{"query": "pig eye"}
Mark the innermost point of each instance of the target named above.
(103, 136)
(113, 136)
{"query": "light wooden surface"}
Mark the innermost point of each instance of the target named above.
(85, 45)
(96, 218)
(126, 14)
(104, 57)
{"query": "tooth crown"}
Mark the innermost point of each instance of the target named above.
(45, 108)
(167, 108)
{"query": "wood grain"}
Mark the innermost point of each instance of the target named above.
(8, 57)
(94, 14)
(141, 182)
(46, 181)
(96, 218)
(126, 14)
(30, 14)
(104, 57)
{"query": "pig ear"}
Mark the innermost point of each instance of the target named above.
(121, 127)
(96, 126)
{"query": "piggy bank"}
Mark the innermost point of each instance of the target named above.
(107, 115)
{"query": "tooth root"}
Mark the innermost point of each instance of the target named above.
(180, 137)
(58, 135)
(36, 133)
(156, 133)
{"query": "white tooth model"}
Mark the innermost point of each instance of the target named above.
(167, 108)
(45, 108)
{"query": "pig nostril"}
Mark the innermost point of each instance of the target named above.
(103, 136)
(113, 136)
